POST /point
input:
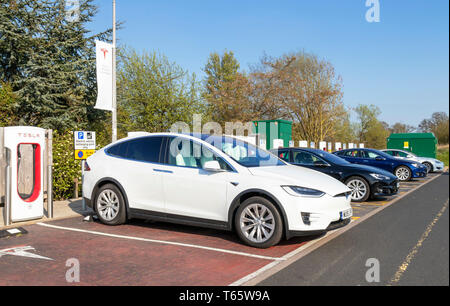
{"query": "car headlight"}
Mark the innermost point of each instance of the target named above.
(303, 191)
(379, 176)
(416, 165)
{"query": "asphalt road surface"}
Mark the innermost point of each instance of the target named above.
(408, 241)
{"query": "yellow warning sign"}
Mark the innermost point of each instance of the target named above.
(406, 145)
(83, 154)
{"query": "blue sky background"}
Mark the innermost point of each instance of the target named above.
(400, 64)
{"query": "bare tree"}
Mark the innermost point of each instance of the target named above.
(402, 128)
(305, 90)
(438, 124)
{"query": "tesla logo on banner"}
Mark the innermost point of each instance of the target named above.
(104, 52)
(22, 251)
(104, 67)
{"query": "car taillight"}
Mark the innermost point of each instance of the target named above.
(86, 167)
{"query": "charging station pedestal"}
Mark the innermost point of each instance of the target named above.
(25, 147)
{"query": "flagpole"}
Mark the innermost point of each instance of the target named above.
(114, 89)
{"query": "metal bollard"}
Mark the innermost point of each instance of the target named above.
(83, 203)
(50, 192)
(8, 193)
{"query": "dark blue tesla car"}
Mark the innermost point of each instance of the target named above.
(365, 182)
(404, 169)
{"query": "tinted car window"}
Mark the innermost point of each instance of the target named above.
(306, 158)
(370, 154)
(390, 153)
(284, 155)
(119, 150)
(401, 154)
(351, 153)
(143, 149)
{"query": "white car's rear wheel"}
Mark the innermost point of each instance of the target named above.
(258, 223)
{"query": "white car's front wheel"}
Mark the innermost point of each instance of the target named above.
(258, 223)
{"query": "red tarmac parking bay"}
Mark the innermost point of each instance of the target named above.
(138, 253)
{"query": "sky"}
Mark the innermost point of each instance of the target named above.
(400, 64)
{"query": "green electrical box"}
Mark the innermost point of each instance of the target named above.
(421, 144)
(274, 129)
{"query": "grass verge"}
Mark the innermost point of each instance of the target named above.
(442, 154)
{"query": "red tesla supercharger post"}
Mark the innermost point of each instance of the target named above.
(26, 150)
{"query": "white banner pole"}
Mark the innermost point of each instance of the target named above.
(114, 89)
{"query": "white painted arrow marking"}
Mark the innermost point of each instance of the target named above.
(23, 252)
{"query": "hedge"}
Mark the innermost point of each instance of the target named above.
(65, 167)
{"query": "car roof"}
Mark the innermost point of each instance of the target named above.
(309, 150)
(189, 135)
(298, 148)
(362, 149)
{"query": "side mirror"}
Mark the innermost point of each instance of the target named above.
(212, 165)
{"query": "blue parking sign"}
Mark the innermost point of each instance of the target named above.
(80, 135)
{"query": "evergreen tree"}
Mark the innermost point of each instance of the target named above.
(7, 100)
(49, 60)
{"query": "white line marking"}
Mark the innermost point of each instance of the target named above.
(162, 242)
(402, 269)
(253, 275)
(249, 277)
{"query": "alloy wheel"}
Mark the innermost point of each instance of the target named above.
(402, 173)
(358, 189)
(108, 205)
(257, 223)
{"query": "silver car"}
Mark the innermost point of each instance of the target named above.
(432, 164)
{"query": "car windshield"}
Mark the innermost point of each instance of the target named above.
(381, 153)
(331, 158)
(412, 154)
(244, 153)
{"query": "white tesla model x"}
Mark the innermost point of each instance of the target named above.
(212, 181)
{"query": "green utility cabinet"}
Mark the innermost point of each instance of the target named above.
(274, 129)
(421, 144)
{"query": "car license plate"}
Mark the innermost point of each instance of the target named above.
(346, 214)
(398, 185)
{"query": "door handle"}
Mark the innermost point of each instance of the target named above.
(163, 171)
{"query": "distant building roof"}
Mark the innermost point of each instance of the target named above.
(412, 136)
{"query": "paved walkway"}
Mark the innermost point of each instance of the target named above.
(61, 210)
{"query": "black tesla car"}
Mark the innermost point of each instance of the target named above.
(364, 181)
